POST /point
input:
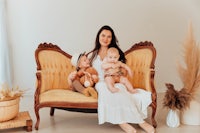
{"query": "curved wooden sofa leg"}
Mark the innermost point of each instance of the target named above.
(52, 110)
(154, 107)
(37, 117)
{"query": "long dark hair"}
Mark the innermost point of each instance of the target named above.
(114, 43)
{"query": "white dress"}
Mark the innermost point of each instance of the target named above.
(120, 107)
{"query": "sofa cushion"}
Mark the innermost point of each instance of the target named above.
(60, 95)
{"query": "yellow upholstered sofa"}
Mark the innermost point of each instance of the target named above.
(54, 66)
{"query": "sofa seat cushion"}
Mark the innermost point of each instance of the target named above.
(61, 95)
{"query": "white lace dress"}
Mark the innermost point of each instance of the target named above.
(120, 107)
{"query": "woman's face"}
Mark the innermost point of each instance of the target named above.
(105, 38)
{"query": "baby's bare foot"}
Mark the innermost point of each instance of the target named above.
(113, 89)
(132, 91)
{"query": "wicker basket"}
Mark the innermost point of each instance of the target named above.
(9, 109)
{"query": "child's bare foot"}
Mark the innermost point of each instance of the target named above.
(132, 90)
(127, 128)
(92, 92)
(147, 127)
(86, 92)
(113, 89)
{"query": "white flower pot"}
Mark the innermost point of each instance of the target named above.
(173, 119)
(191, 116)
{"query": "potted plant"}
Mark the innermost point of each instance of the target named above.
(9, 102)
(187, 99)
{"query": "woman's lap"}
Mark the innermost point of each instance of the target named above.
(122, 106)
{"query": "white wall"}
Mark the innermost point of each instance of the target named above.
(73, 24)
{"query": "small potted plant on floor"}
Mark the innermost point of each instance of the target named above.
(9, 102)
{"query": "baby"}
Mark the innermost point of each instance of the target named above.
(85, 76)
(115, 71)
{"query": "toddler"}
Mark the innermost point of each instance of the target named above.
(84, 74)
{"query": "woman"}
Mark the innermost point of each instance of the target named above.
(120, 107)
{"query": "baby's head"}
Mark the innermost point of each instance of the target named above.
(112, 55)
(80, 61)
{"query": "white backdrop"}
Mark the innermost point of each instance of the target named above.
(5, 71)
(73, 24)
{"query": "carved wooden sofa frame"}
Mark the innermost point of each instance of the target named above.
(54, 66)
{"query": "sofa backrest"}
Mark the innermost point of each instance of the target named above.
(53, 67)
(141, 58)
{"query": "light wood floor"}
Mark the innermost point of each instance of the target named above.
(73, 122)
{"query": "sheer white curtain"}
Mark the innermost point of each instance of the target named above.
(5, 73)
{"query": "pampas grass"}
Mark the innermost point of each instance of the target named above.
(7, 93)
(176, 99)
(189, 75)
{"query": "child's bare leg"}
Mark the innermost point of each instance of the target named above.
(127, 128)
(128, 85)
(147, 127)
(80, 88)
(110, 83)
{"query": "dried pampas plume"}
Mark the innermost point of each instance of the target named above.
(189, 75)
(176, 99)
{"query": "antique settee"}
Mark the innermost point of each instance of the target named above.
(54, 66)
